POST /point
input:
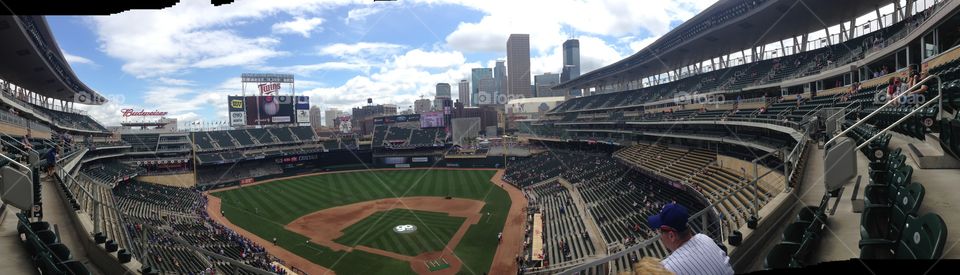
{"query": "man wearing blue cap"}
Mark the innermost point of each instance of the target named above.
(690, 253)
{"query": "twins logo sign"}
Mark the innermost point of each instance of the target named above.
(405, 228)
(269, 89)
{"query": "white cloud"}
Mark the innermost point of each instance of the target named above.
(74, 59)
(422, 59)
(400, 81)
(361, 14)
(566, 18)
(299, 25)
(638, 45)
(309, 69)
(361, 48)
(174, 81)
(162, 42)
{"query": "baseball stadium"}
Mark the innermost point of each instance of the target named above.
(757, 136)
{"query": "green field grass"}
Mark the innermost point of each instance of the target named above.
(264, 210)
(433, 231)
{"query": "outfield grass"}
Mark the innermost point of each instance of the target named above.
(264, 210)
(434, 231)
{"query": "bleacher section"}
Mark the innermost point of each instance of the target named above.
(618, 198)
(111, 172)
(700, 169)
(142, 142)
(564, 234)
(159, 212)
(407, 136)
(73, 120)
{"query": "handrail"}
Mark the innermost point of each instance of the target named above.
(875, 112)
(897, 123)
(842, 111)
(10, 160)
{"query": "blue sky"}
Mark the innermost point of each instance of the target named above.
(188, 58)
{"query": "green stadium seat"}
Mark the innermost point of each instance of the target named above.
(879, 193)
(886, 222)
(47, 237)
(809, 213)
(74, 267)
(781, 255)
(794, 233)
(923, 238)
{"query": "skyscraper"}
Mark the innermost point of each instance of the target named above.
(476, 74)
(315, 117)
(421, 105)
(329, 115)
(443, 93)
(544, 84)
(518, 67)
(500, 77)
(571, 60)
(487, 88)
(463, 92)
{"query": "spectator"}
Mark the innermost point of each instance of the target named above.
(892, 87)
(26, 141)
(690, 253)
(51, 160)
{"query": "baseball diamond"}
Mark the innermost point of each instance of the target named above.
(348, 229)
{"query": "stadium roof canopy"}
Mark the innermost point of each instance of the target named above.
(770, 21)
(33, 60)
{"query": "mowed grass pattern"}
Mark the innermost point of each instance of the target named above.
(434, 231)
(264, 210)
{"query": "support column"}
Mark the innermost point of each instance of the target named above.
(803, 43)
(897, 12)
(827, 31)
(852, 29)
(879, 19)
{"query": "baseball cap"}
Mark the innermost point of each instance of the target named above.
(673, 215)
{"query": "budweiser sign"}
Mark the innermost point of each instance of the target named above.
(131, 112)
(266, 89)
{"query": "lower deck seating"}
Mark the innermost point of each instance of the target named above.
(564, 235)
(618, 198)
(155, 213)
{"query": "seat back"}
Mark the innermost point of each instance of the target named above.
(923, 238)
(907, 204)
(902, 176)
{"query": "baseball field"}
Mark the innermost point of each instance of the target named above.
(363, 222)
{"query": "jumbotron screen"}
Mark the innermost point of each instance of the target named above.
(431, 120)
(265, 110)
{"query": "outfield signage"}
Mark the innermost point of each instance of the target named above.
(269, 89)
(131, 112)
(266, 78)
